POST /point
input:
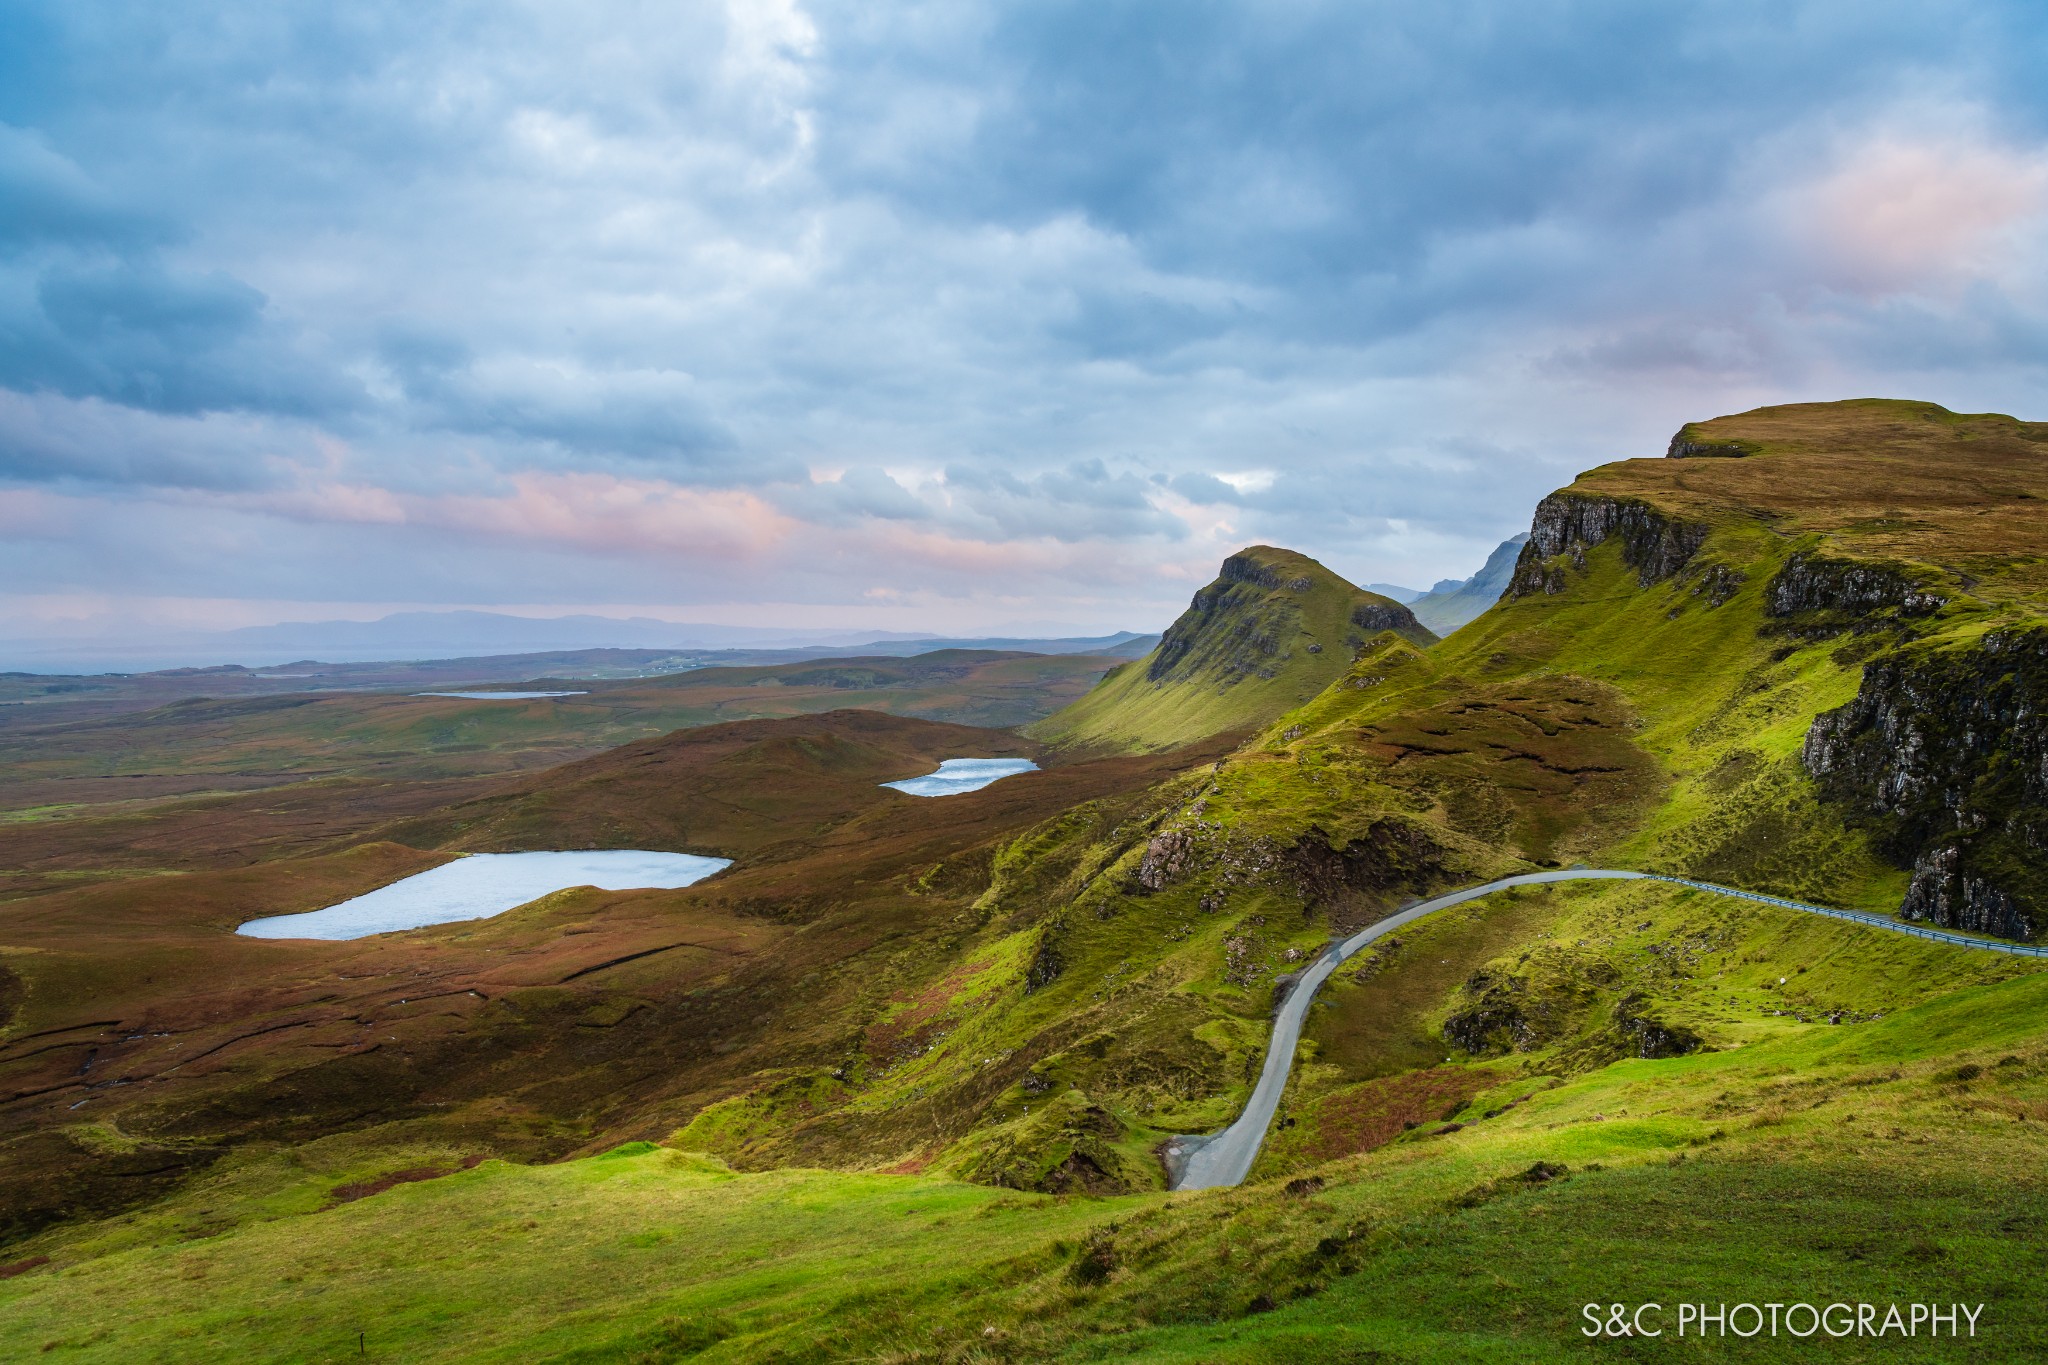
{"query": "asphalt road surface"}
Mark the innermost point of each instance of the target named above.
(1219, 1159)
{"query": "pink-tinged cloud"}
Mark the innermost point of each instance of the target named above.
(959, 566)
(32, 514)
(595, 512)
(1899, 214)
(958, 554)
(600, 512)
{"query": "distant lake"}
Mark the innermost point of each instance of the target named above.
(500, 696)
(486, 884)
(957, 775)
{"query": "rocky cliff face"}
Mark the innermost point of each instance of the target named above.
(1232, 618)
(1948, 754)
(1374, 617)
(1568, 524)
(1856, 594)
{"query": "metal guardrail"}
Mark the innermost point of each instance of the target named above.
(1860, 917)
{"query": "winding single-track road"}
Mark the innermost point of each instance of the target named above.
(1225, 1158)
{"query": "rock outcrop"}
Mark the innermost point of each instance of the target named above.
(1946, 752)
(1691, 443)
(1856, 595)
(1374, 617)
(1567, 524)
(1168, 857)
(1393, 855)
(1225, 617)
(1946, 890)
(1648, 1035)
(1502, 1012)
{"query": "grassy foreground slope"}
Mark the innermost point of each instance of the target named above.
(1272, 630)
(1899, 1161)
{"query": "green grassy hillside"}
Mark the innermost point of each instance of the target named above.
(908, 1072)
(1271, 631)
(1898, 1161)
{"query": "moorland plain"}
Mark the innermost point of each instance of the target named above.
(210, 782)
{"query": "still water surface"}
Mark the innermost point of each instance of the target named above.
(485, 884)
(500, 696)
(956, 775)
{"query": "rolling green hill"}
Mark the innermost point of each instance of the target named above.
(1271, 631)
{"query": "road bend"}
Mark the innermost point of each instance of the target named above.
(1202, 1162)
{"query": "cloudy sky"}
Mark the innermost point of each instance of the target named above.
(961, 316)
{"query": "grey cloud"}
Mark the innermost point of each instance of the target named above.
(1122, 323)
(1082, 501)
(1204, 488)
(45, 197)
(1423, 263)
(1342, 153)
(45, 439)
(89, 309)
(649, 421)
(194, 312)
(859, 492)
(146, 337)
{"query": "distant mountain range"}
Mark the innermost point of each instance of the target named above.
(430, 635)
(1453, 602)
(414, 636)
(443, 633)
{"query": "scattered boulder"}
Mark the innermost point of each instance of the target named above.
(1652, 1037)
(1168, 857)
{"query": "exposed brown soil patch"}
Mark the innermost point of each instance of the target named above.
(1363, 1117)
(363, 1189)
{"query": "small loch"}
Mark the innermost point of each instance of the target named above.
(485, 884)
(957, 775)
(500, 696)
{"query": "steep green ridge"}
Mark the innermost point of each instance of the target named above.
(1272, 630)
